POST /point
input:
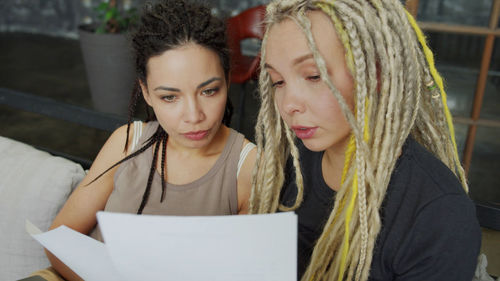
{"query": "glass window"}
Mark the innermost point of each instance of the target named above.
(460, 137)
(483, 175)
(491, 102)
(464, 12)
(458, 58)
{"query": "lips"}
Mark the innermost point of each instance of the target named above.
(198, 135)
(303, 132)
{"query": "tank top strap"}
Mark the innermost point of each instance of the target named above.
(243, 155)
(231, 153)
(137, 133)
(147, 131)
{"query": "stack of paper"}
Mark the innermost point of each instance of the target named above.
(145, 247)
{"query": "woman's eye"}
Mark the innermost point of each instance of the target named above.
(278, 84)
(314, 78)
(210, 92)
(169, 98)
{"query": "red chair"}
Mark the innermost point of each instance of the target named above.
(247, 24)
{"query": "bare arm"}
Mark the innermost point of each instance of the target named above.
(79, 211)
(245, 180)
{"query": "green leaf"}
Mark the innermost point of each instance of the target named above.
(100, 30)
(122, 19)
(103, 6)
(111, 14)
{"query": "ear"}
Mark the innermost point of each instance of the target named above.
(145, 92)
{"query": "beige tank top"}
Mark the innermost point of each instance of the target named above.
(215, 193)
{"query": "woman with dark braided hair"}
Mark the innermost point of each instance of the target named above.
(351, 97)
(185, 160)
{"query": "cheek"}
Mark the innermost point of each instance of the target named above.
(216, 106)
(278, 105)
(168, 123)
(327, 108)
(166, 114)
(345, 85)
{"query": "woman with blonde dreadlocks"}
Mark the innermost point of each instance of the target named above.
(354, 135)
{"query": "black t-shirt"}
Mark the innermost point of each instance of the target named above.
(429, 226)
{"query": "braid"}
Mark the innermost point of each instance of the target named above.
(158, 137)
(394, 96)
(163, 165)
(458, 169)
(149, 143)
(296, 164)
(361, 106)
(268, 176)
(145, 196)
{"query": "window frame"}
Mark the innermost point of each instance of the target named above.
(488, 214)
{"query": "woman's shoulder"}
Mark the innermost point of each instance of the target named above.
(438, 241)
(125, 137)
(426, 171)
(240, 138)
(149, 128)
(248, 144)
(428, 220)
(421, 183)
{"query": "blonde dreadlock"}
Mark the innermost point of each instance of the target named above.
(398, 92)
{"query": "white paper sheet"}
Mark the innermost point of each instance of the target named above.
(222, 248)
(87, 257)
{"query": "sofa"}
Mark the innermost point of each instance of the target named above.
(33, 186)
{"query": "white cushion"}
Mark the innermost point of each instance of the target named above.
(33, 185)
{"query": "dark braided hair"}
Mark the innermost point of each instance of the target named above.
(166, 25)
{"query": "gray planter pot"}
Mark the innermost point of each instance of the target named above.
(110, 70)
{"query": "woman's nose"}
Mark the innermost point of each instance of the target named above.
(293, 100)
(193, 112)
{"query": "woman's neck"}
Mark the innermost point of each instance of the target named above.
(183, 165)
(332, 164)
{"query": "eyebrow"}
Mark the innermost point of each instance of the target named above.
(302, 58)
(203, 84)
(167, 89)
(294, 62)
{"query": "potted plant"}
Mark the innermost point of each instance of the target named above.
(108, 58)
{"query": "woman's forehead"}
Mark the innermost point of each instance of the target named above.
(287, 40)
